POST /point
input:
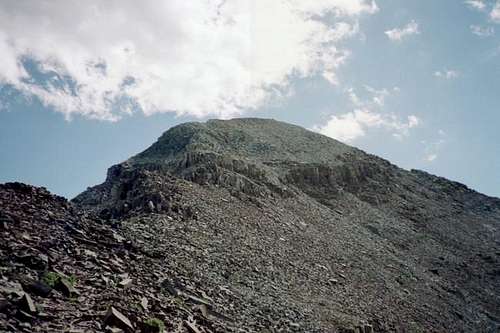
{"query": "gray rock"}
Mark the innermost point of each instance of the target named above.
(38, 288)
(27, 305)
(117, 319)
(125, 283)
(368, 328)
(65, 287)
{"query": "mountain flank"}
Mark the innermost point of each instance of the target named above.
(251, 225)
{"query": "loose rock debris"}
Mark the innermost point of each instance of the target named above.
(251, 226)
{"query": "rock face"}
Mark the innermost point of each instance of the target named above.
(264, 226)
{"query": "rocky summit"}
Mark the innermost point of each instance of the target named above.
(251, 225)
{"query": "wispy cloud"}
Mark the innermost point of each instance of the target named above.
(215, 57)
(476, 4)
(431, 157)
(367, 114)
(398, 34)
(482, 31)
(495, 13)
(434, 148)
(377, 97)
(447, 74)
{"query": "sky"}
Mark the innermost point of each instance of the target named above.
(87, 84)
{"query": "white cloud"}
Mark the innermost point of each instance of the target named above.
(105, 59)
(476, 4)
(447, 74)
(482, 31)
(353, 97)
(433, 149)
(398, 34)
(376, 98)
(401, 129)
(339, 7)
(349, 126)
(367, 115)
(495, 13)
(353, 125)
(431, 157)
(413, 121)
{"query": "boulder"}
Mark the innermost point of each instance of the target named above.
(64, 286)
(27, 305)
(117, 319)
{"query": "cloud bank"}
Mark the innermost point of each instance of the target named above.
(105, 59)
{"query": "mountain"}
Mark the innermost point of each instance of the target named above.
(254, 225)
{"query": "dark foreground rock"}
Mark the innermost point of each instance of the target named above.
(85, 286)
(251, 225)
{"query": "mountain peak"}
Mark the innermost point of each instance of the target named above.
(251, 138)
(262, 225)
(265, 157)
(257, 157)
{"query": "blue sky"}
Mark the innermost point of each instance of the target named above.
(415, 82)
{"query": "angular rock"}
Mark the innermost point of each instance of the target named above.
(166, 284)
(25, 326)
(114, 330)
(192, 328)
(27, 305)
(144, 303)
(125, 283)
(4, 305)
(11, 288)
(198, 300)
(5, 222)
(118, 238)
(37, 261)
(368, 328)
(65, 287)
(117, 319)
(333, 281)
(38, 288)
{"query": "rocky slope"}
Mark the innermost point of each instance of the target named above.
(253, 225)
